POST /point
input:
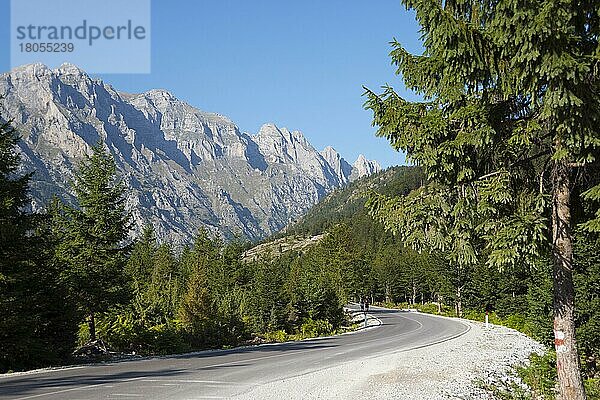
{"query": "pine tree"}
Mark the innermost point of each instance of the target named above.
(14, 222)
(197, 309)
(37, 322)
(164, 289)
(94, 236)
(508, 133)
(15, 320)
(141, 260)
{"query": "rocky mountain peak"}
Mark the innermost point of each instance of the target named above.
(36, 69)
(160, 94)
(364, 167)
(70, 69)
(185, 168)
(342, 169)
(282, 146)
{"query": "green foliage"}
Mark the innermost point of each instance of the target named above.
(500, 110)
(125, 333)
(92, 238)
(197, 311)
(507, 134)
(37, 324)
(276, 336)
(139, 266)
(313, 292)
(120, 329)
(313, 328)
(592, 389)
(13, 194)
(208, 298)
(212, 307)
(539, 305)
(267, 297)
(587, 284)
(540, 375)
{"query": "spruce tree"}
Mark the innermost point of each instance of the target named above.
(197, 308)
(141, 260)
(94, 236)
(14, 222)
(508, 133)
(15, 320)
(37, 322)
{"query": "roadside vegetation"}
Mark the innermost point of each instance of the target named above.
(73, 277)
(153, 299)
(501, 215)
(398, 277)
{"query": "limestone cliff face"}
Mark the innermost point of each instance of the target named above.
(363, 167)
(185, 168)
(342, 169)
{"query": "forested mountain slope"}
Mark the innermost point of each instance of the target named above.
(346, 204)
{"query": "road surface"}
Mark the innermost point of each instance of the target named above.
(224, 374)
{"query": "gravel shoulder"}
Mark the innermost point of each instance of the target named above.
(447, 370)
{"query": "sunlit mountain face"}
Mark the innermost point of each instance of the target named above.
(184, 168)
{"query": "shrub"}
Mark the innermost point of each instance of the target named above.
(166, 339)
(592, 389)
(517, 322)
(314, 328)
(540, 375)
(125, 333)
(276, 336)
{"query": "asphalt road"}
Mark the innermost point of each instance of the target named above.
(224, 374)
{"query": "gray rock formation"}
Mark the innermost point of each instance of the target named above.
(185, 168)
(363, 167)
(342, 169)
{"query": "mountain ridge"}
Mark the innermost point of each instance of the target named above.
(185, 168)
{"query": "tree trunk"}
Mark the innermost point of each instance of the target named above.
(388, 293)
(414, 293)
(567, 359)
(92, 326)
(459, 301)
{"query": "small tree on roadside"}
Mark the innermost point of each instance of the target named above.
(508, 133)
(94, 236)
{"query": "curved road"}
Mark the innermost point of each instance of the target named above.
(224, 374)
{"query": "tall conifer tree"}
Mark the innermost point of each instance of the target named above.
(508, 133)
(15, 323)
(37, 325)
(94, 236)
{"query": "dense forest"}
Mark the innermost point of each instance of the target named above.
(377, 263)
(72, 275)
(394, 274)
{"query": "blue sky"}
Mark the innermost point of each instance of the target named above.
(299, 64)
